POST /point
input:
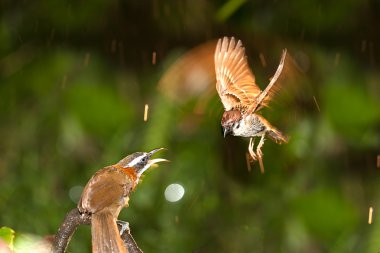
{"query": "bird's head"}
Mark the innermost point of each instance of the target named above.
(230, 121)
(141, 161)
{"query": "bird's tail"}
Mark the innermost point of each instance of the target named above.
(277, 136)
(273, 133)
(105, 234)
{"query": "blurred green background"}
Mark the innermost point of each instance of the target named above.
(74, 80)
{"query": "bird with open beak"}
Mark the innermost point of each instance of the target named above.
(107, 192)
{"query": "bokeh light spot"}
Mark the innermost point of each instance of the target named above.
(174, 192)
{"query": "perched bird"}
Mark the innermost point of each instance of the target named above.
(107, 193)
(242, 98)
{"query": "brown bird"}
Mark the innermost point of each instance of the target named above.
(107, 193)
(242, 98)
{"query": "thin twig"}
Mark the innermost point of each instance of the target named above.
(146, 108)
(370, 215)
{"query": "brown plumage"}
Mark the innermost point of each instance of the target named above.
(104, 196)
(106, 193)
(242, 98)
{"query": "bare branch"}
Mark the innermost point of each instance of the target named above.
(128, 240)
(73, 219)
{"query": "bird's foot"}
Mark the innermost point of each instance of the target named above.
(252, 154)
(260, 159)
(124, 226)
(259, 154)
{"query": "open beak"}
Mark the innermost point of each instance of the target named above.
(157, 160)
(156, 150)
(152, 162)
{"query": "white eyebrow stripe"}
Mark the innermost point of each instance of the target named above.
(134, 161)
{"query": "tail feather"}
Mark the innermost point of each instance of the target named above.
(277, 136)
(105, 234)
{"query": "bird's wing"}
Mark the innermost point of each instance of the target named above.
(235, 82)
(264, 97)
(107, 189)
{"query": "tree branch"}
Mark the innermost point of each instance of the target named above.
(72, 220)
(129, 242)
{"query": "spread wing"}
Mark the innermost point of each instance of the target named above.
(235, 82)
(264, 97)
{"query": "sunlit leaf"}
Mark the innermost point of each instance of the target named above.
(7, 235)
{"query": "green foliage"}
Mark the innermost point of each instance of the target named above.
(7, 235)
(228, 9)
(356, 111)
(74, 81)
(326, 214)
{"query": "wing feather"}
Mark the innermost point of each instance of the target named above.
(264, 98)
(103, 192)
(235, 82)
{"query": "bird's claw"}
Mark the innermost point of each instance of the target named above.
(250, 150)
(124, 226)
(259, 153)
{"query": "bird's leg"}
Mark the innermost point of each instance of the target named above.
(259, 146)
(260, 153)
(250, 149)
(124, 226)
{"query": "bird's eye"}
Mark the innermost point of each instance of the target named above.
(238, 125)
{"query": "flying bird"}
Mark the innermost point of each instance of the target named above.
(242, 98)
